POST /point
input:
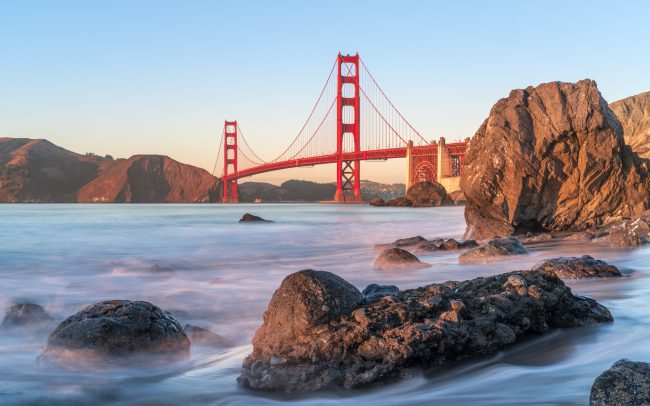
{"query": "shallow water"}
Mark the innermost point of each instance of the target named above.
(199, 263)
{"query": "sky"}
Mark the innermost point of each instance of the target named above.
(123, 77)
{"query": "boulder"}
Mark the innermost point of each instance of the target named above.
(117, 332)
(451, 244)
(578, 267)
(25, 314)
(410, 241)
(626, 383)
(203, 336)
(253, 218)
(304, 300)
(492, 250)
(429, 326)
(397, 258)
(374, 292)
(428, 194)
(550, 158)
(458, 197)
(626, 233)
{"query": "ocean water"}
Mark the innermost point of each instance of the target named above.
(197, 262)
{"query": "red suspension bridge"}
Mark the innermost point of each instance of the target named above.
(352, 121)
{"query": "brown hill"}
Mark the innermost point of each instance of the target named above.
(38, 171)
(634, 114)
(150, 179)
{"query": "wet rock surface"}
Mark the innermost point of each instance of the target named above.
(397, 258)
(419, 244)
(374, 292)
(203, 336)
(253, 218)
(550, 158)
(428, 326)
(626, 383)
(626, 233)
(578, 267)
(25, 314)
(116, 331)
(493, 250)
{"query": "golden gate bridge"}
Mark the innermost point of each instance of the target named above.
(352, 121)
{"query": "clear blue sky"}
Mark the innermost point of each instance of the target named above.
(124, 77)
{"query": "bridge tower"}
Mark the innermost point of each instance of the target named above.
(347, 126)
(230, 162)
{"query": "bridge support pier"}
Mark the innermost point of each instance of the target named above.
(229, 178)
(348, 173)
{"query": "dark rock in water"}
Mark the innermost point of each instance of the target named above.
(374, 292)
(578, 267)
(451, 244)
(397, 258)
(551, 158)
(203, 336)
(423, 194)
(378, 202)
(426, 247)
(428, 326)
(626, 383)
(253, 218)
(492, 250)
(400, 202)
(626, 233)
(25, 314)
(428, 194)
(114, 331)
(406, 242)
(304, 300)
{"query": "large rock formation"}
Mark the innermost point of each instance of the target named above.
(634, 114)
(39, 171)
(423, 194)
(550, 158)
(312, 339)
(116, 331)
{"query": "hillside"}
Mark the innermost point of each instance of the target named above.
(35, 170)
(306, 191)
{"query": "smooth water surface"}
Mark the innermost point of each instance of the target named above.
(199, 263)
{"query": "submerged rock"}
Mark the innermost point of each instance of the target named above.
(428, 326)
(578, 267)
(25, 314)
(451, 244)
(253, 218)
(626, 383)
(397, 258)
(203, 336)
(399, 202)
(550, 158)
(492, 250)
(115, 331)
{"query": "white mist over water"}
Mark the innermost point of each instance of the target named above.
(199, 263)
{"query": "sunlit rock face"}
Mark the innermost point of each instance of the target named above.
(310, 340)
(550, 158)
(634, 114)
(117, 332)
